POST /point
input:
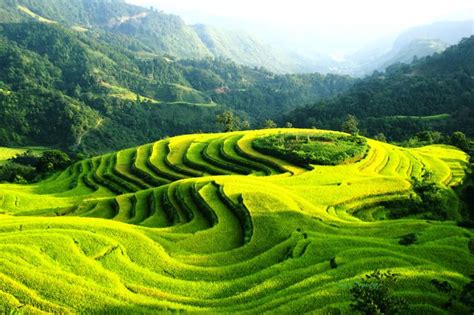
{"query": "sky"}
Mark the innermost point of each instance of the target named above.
(330, 26)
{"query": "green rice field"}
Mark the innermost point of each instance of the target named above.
(204, 223)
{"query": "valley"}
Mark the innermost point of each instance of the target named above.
(151, 163)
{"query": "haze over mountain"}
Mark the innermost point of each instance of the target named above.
(336, 36)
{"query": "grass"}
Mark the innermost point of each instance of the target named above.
(79, 29)
(125, 94)
(34, 15)
(426, 118)
(5, 92)
(8, 153)
(204, 223)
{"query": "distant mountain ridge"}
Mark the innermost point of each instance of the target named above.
(159, 32)
(420, 41)
(432, 93)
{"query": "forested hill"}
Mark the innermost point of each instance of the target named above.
(158, 33)
(434, 93)
(89, 91)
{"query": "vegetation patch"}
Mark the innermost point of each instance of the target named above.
(408, 239)
(374, 294)
(29, 165)
(320, 149)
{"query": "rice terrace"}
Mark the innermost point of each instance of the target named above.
(223, 223)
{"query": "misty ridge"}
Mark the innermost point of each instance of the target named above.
(317, 37)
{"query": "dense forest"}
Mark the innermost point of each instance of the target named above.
(432, 93)
(88, 92)
(156, 31)
(89, 82)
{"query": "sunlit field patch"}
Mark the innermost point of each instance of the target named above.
(209, 223)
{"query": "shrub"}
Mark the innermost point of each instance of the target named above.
(373, 294)
(435, 198)
(467, 295)
(321, 149)
(17, 173)
(53, 161)
(333, 263)
(458, 139)
(408, 239)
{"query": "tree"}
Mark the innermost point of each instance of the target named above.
(373, 295)
(350, 125)
(380, 137)
(269, 124)
(288, 125)
(228, 121)
(458, 139)
(467, 295)
(245, 125)
(53, 160)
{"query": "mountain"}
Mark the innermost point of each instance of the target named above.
(245, 49)
(419, 41)
(417, 48)
(449, 32)
(433, 93)
(159, 33)
(97, 90)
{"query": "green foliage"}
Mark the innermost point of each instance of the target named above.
(79, 90)
(374, 295)
(231, 122)
(269, 124)
(458, 139)
(467, 295)
(380, 137)
(435, 199)
(31, 166)
(406, 99)
(350, 125)
(408, 239)
(17, 173)
(321, 149)
(51, 161)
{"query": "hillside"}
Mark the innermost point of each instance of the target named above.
(157, 32)
(420, 41)
(245, 49)
(396, 101)
(177, 225)
(100, 92)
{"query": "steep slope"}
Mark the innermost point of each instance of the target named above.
(417, 48)
(245, 49)
(448, 32)
(104, 92)
(177, 226)
(419, 41)
(156, 31)
(395, 102)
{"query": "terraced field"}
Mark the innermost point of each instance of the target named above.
(205, 223)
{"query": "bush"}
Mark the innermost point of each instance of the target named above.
(373, 294)
(435, 198)
(28, 167)
(467, 295)
(458, 139)
(17, 173)
(320, 149)
(53, 161)
(447, 288)
(408, 239)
